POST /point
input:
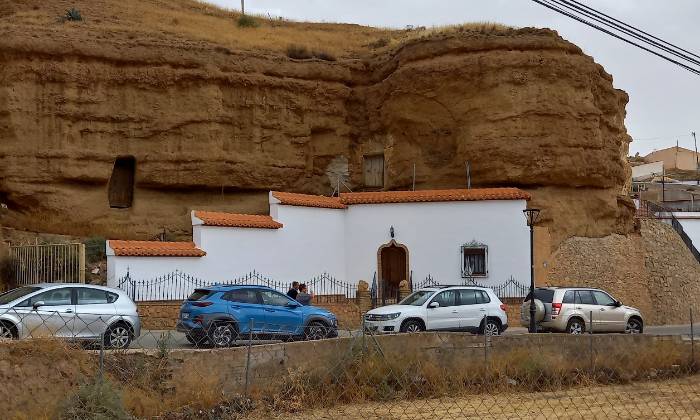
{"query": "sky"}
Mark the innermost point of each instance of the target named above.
(664, 105)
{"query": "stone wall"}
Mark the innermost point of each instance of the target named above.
(652, 270)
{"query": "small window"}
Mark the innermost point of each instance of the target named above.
(603, 298)
(373, 170)
(242, 296)
(88, 296)
(474, 260)
(446, 298)
(584, 297)
(568, 297)
(121, 183)
(270, 297)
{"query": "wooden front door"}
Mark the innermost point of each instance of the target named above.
(394, 269)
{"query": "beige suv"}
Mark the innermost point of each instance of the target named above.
(569, 309)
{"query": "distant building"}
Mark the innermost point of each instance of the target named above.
(674, 158)
(647, 171)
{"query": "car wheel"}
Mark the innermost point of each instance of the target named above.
(6, 331)
(222, 335)
(412, 326)
(118, 337)
(634, 326)
(491, 328)
(575, 327)
(316, 330)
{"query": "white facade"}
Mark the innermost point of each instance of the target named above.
(345, 242)
(647, 170)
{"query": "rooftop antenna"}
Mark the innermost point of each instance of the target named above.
(469, 175)
(414, 176)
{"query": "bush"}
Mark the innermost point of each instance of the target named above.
(298, 52)
(73, 15)
(246, 21)
(98, 400)
(95, 249)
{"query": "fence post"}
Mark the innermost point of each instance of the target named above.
(485, 341)
(247, 362)
(102, 357)
(81, 263)
(590, 334)
(692, 342)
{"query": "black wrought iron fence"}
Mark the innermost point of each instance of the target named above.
(178, 285)
(510, 289)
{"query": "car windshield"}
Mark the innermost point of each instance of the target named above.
(15, 294)
(417, 298)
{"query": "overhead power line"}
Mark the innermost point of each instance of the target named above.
(582, 13)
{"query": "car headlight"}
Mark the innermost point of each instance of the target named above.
(382, 317)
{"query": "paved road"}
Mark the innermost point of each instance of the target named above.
(150, 339)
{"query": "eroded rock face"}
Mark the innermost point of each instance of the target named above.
(212, 128)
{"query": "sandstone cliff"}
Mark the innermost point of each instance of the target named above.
(216, 115)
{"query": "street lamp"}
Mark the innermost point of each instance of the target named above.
(532, 215)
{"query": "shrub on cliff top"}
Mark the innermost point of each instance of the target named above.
(245, 21)
(73, 15)
(298, 52)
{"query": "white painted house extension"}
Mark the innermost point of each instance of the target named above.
(448, 235)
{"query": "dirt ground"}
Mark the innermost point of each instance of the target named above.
(677, 399)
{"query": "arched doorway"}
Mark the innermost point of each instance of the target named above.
(392, 261)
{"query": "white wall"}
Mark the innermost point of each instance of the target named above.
(434, 233)
(344, 244)
(647, 169)
(691, 225)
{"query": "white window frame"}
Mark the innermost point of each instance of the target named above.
(474, 245)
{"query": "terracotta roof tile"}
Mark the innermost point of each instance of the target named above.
(475, 194)
(155, 249)
(308, 200)
(213, 218)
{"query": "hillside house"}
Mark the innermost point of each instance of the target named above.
(674, 158)
(444, 235)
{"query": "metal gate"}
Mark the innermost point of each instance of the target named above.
(49, 263)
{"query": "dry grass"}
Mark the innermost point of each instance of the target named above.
(193, 20)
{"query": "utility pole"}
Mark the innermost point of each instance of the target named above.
(697, 164)
(469, 175)
(663, 186)
(243, 7)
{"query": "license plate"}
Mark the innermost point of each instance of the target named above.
(185, 315)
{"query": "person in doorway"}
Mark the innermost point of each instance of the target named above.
(304, 297)
(292, 293)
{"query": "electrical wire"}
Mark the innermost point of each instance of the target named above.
(556, 7)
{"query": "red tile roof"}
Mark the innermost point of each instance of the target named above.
(155, 249)
(475, 194)
(308, 200)
(213, 218)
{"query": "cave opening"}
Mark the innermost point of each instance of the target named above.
(121, 183)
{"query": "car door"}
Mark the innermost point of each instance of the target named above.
(585, 305)
(245, 306)
(471, 309)
(94, 310)
(610, 317)
(445, 316)
(54, 318)
(282, 314)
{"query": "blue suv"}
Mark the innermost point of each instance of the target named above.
(220, 314)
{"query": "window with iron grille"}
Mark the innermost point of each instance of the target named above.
(474, 260)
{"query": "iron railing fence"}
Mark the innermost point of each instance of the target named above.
(510, 289)
(658, 211)
(47, 263)
(178, 286)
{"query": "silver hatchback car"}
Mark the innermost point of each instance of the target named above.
(69, 311)
(575, 310)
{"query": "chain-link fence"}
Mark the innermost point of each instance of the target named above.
(55, 364)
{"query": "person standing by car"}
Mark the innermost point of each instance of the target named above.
(304, 297)
(294, 291)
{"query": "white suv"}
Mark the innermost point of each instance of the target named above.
(451, 308)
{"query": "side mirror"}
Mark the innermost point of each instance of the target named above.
(434, 305)
(36, 305)
(618, 303)
(293, 305)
